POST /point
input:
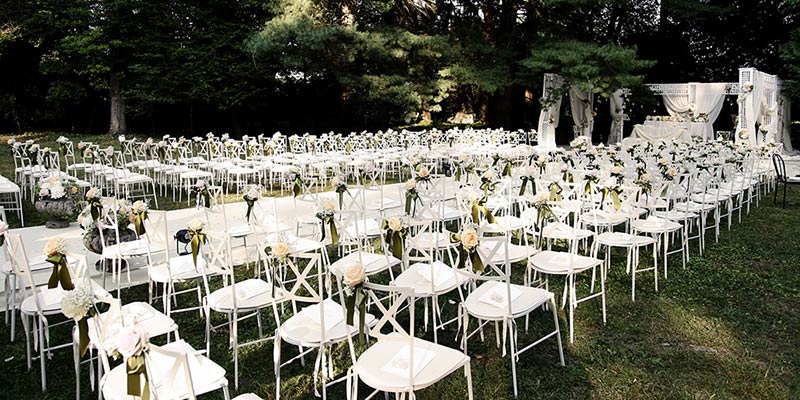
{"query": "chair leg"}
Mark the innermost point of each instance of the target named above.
(558, 330)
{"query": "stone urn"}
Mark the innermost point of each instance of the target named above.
(91, 240)
(59, 212)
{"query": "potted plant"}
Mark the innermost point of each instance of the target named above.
(58, 200)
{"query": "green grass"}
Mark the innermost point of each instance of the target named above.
(726, 327)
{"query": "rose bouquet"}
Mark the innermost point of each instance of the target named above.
(251, 196)
(468, 242)
(355, 297)
(327, 210)
(201, 194)
(395, 232)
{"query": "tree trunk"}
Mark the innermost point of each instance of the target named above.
(484, 107)
(425, 113)
(119, 126)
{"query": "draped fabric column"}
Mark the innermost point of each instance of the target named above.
(616, 107)
(580, 103)
(548, 122)
(785, 124)
(709, 98)
(752, 108)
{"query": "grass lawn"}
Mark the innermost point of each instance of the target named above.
(726, 327)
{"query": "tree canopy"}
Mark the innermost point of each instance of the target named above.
(315, 65)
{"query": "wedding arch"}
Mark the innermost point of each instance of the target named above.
(759, 97)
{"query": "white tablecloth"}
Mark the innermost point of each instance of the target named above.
(656, 133)
(695, 128)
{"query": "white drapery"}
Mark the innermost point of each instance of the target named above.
(677, 104)
(580, 103)
(548, 122)
(616, 107)
(785, 124)
(752, 107)
(708, 100)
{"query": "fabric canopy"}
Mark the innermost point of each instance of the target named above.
(709, 98)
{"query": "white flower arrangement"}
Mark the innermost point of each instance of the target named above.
(54, 246)
(131, 341)
(121, 138)
(76, 303)
(62, 140)
(197, 224)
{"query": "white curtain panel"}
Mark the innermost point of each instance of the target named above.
(615, 105)
(547, 130)
(709, 98)
(676, 104)
(580, 103)
(752, 109)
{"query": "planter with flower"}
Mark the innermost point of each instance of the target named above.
(355, 297)
(58, 200)
(468, 242)
(326, 213)
(250, 197)
(395, 233)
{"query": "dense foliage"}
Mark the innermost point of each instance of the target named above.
(314, 65)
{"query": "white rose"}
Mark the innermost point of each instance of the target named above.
(130, 341)
(121, 138)
(93, 193)
(57, 192)
(335, 181)
(424, 172)
(139, 206)
(410, 184)
(646, 177)
(354, 275)
(54, 246)
(672, 172)
(469, 238)
(616, 170)
(489, 174)
(395, 223)
(197, 224)
(281, 250)
(328, 205)
(540, 197)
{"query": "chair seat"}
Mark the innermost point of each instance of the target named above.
(691, 206)
(206, 375)
(516, 253)
(152, 321)
(707, 198)
(180, 268)
(561, 263)
(489, 300)
(675, 215)
(621, 239)
(371, 365)
(562, 231)
(304, 327)
(503, 224)
(655, 225)
(373, 263)
(128, 249)
(441, 281)
(366, 228)
(250, 294)
(426, 240)
(384, 204)
(600, 217)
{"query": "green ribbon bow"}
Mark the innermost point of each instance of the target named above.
(272, 268)
(250, 203)
(394, 239)
(614, 193)
(60, 274)
(135, 369)
(525, 181)
(297, 186)
(487, 186)
(95, 208)
(507, 168)
(340, 190)
(555, 192)
(589, 181)
(412, 197)
(328, 219)
(478, 208)
(198, 239)
(567, 176)
(463, 253)
(138, 222)
(357, 299)
(83, 335)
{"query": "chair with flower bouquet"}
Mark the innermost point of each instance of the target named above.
(187, 269)
(398, 362)
(121, 229)
(44, 302)
(496, 299)
(238, 300)
(305, 198)
(172, 371)
(675, 194)
(570, 264)
(703, 195)
(323, 323)
(132, 185)
(429, 277)
(661, 229)
(103, 328)
(606, 200)
(218, 220)
(355, 247)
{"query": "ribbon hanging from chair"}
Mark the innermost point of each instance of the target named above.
(136, 370)
(60, 274)
(198, 239)
(525, 181)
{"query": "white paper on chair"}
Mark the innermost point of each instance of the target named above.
(334, 314)
(498, 295)
(251, 288)
(184, 264)
(135, 313)
(441, 273)
(399, 364)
